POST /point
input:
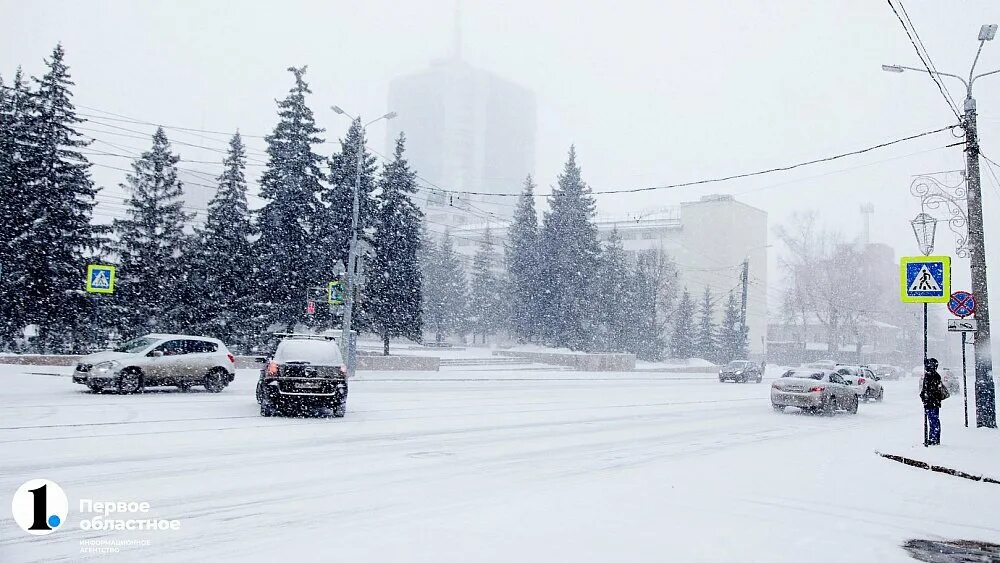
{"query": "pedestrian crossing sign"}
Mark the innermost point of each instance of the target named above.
(100, 278)
(925, 279)
(334, 293)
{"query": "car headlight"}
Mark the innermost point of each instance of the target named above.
(107, 367)
(739, 372)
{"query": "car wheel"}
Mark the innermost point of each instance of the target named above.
(830, 407)
(267, 408)
(779, 408)
(95, 388)
(340, 408)
(130, 381)
(184, 386)
(214, 382)
(880, 396)
(760, 378)
(854, 406)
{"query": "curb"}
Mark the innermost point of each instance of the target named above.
(938, 468)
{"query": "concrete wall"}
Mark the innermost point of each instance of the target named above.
(365, 363)
(580, 362)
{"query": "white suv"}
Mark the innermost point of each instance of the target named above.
(159, 359)
(866, 384)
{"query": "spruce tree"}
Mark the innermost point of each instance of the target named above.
(485, 300)
(59, 202)
(291, 250)
(339, 195)
(150, 244)
(445, 294)
(16, 148)
(645, 305)
(614, 285)
(570, 252)
(393, 295)
(706, 345)
(732, 337)
(522, 262)
(222, 265)
(682, 341)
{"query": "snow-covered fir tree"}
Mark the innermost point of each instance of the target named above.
(706, 345)
(150, 244)
(339, 195)
(393, 295)
(614, 308)
(569, 251)
(15, 149)
(221, 268)
(524, 285)
(59, 200)
(485, 299)
(445, 293)
(648, 298)
(291, 249)
(732, 337)
(682, 338)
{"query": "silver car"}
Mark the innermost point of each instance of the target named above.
(817, 390)
(159, 359)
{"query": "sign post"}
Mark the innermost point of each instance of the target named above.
(962, 304)
(925, 279)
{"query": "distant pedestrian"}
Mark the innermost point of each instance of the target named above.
(932, 392)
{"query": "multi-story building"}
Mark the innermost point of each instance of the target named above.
(467, 130)
(708, 239)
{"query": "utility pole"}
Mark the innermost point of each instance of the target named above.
(745, 278)
(985, 391)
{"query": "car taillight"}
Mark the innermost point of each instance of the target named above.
(861, 381)
(272, 369)
(343, 369)
(816, 389)
(232, 358)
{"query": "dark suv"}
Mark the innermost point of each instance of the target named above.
(306, 374)
(741, 371)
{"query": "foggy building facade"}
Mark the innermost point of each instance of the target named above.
(467, 130)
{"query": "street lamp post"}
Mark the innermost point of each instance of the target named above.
(352, 253)
(985, 391)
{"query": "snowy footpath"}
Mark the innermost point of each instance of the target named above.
(492, 466)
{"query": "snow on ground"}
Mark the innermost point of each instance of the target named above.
(492, 466)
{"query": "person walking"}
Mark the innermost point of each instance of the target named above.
(932, 392)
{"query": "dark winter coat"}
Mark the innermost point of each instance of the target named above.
(933, 391)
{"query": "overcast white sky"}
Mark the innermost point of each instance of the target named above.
(650, 92)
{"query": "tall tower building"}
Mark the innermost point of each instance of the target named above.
(467, 130)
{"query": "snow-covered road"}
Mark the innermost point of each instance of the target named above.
(490, 466)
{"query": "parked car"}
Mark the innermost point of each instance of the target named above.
(886, 372)
(865, 383)
(306, 373)
(159, 359)
(951, 380)
(741, 371)
(817, 390)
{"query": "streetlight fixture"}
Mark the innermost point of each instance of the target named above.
(985, 390)
(924, 227)
(352, 253)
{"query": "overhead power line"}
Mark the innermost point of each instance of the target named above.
(927, 65)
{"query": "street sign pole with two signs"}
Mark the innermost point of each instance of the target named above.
(963, 304)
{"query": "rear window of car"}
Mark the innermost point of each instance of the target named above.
(818, 376)
(738, 364)
(316, 352)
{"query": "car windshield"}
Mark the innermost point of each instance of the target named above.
(316, 352)
(804, 374)
(135, 345)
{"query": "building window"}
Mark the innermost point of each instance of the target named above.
(650, 235)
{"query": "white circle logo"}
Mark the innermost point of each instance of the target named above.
(40, 507)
